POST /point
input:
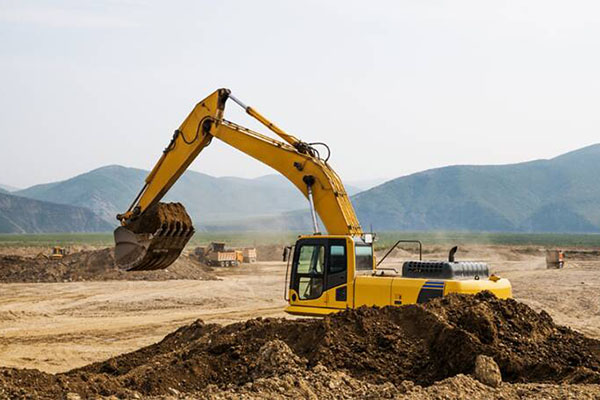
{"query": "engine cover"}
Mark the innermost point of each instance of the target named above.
(445, 269)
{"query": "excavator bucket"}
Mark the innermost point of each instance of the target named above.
(153, 240)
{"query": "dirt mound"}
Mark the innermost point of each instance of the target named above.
(93, 265)
(381, 349)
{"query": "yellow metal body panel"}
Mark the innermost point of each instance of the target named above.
(318, 303)
(501, 287)
(311, 311)
(371, 291)
(384, 291)
(405, 290)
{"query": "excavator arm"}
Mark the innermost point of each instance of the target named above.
(153, 234)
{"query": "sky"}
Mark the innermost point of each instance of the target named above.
(394, 87)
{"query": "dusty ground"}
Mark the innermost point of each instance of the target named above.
(55, 327)
(58, 326)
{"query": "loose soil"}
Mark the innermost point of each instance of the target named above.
(391, 349)
(93, 265)
(160, 214)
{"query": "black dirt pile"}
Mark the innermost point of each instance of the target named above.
(386, 349)
(94, 265)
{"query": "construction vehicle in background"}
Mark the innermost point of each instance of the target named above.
(56, 253)
(249, 255)
(555, 259)
(329, 272)
(216, 255)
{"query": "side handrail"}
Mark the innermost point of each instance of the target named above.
(287, 253)
(403, 241)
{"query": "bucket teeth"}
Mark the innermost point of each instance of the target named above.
(154, 240)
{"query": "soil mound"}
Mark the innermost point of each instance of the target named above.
(92, 265)
(384, 352)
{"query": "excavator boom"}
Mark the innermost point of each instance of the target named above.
(153, 234)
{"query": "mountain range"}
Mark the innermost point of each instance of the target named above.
(22, 215)
(556, 195)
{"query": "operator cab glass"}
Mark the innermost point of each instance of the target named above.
(318, 265)
(363, 256)
(311, 260)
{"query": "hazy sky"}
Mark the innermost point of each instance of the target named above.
(393, 87)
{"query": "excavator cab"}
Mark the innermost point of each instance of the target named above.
(323, 267)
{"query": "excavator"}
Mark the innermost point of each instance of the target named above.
(329, 272)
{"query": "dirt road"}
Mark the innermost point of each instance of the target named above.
(59, 326)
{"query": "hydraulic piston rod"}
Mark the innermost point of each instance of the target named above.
(310, 180)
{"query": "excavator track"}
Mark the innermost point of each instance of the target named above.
(154, 239)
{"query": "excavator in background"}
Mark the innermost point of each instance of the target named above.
(57, 253)
(329, 272)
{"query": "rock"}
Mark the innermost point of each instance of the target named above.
(487, 371)
(73, 396)
(276, 357)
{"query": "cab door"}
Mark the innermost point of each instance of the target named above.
(336, 276)
(308, 273)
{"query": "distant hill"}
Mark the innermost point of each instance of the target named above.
(21, 215)
(557, 195)
(7, 188)
(109, 190)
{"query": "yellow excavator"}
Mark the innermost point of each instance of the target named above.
(329, 272)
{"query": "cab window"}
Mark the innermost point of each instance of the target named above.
(311, 260)
(364, 258)
(337, 259)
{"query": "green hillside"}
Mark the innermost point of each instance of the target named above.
(21, 215)
(557, 195)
